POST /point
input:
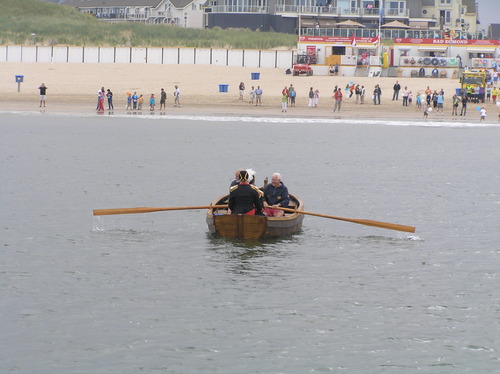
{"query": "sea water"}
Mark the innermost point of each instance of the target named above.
(156, 293)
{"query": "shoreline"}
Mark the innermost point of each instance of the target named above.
(72, 89)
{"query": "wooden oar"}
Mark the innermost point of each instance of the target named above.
(106, 212)
(383, 225)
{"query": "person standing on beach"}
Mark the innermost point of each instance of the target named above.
(258, 96)
(440, 103)
(362, 94)
(465, 99)
(177, 96)
(376, 95)
(311, 98)
(456, 101)
(337, 96)
(140, 102)
(396, 88)
(482, 114)
(152, 102)
(163, 99)
(292, 93)
(251, 96)
(100, 101)
(242, 90)
(405, 96)
(135, 99)
(43, 94)
(284, 102)
(109, 95)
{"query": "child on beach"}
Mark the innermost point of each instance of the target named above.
(482, 114)
(426, 110)
(419, 101)
(141, 101)
(129, 100)
(152, 102)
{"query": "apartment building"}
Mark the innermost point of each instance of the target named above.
(459, 17)
(183, 13)
(307, 17)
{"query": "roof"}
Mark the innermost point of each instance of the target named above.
(111, 3)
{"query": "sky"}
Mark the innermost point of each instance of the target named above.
(489, 12)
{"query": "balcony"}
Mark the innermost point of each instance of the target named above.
(367, 13)
(239, 9)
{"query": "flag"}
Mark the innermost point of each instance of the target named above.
(353, 42)
(381, 10)
(376, 42)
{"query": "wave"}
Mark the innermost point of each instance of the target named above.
(455, 123)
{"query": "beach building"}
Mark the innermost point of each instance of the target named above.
(182, 13)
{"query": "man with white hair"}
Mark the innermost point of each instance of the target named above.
(275, 195)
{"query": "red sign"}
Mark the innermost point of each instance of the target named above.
(492, 43)
(334, 39)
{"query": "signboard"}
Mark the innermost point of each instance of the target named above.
(335, 39)
(466, 42)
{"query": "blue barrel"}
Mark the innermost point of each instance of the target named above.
(458, 91)
(223, 87)
(255, 76)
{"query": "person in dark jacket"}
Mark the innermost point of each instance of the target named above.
(244, 197)
(275, 195)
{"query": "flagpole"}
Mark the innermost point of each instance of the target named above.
(380, 13)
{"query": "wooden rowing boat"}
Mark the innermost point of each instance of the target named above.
(240, 226)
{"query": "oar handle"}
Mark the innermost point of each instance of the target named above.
(138, 210)
(383, 225)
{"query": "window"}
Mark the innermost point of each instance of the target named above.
(445, 2)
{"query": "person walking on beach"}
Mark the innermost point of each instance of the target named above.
(43, 94)
(258, 96)
(251, 96)
(177, 96)
(396, 88)
(109, 95)
(163, 99)
(482, 114)
(338, 99)
(242, 90)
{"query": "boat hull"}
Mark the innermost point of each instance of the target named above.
(253, 227)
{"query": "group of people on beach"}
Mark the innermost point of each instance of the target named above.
(135, 101)
(246, 198)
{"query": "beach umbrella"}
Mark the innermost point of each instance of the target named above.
(395, 25)
(349, 23)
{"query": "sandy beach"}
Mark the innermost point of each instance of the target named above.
(74, 87)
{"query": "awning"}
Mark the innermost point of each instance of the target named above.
(481, 50)
(433, 49)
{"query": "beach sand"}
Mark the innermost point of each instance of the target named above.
(73, 88)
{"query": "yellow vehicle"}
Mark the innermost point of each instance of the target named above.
(473, 84)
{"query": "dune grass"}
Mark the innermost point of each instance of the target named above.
(55, 24)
